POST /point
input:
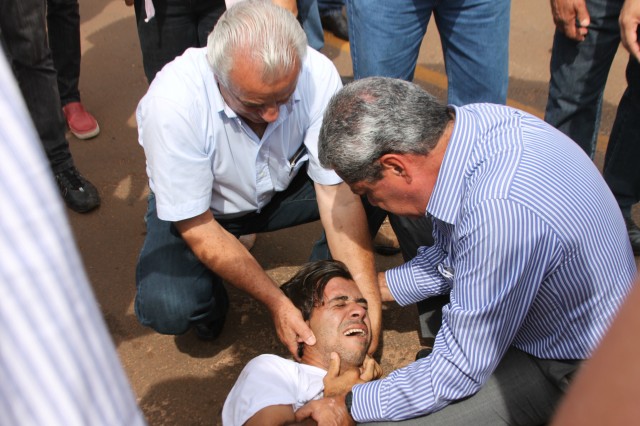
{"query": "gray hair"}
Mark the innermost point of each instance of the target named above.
(375, 116)
(264, 31)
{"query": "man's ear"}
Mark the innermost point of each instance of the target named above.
(395, 165)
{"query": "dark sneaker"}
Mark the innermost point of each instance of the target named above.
(634, 235)
(78, 193)
(336, 22)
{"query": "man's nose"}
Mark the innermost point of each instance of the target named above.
(269, 113)
(358, 311)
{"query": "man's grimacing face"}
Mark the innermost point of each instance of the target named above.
(341, 323)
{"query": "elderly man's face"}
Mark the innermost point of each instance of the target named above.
(393, 195)
(251, 98)
(341, 324)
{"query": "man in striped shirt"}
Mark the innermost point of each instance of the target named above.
(529, 244)
(58, 364)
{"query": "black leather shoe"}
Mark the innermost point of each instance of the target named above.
(634, 235)
(336, 23)
(78, 193)
(212, 329)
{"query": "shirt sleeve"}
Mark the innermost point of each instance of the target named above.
(178, 160)
(426, 274)
(488, 306)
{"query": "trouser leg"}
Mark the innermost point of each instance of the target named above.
(63, 26)
(176, 26)
(579, 73)
(470, 32)
(23, 31)
(622, 160)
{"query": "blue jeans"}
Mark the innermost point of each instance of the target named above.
(309, 17)
(326, 6)
(23, 32)
(385, 38)
(622, 161)
(177, 26)
(579, 72)
(175, 290)
(63, 27)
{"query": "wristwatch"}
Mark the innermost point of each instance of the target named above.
(348, 400)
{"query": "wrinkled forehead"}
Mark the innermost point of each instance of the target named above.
(341, 288)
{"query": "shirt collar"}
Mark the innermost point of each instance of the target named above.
(448, 191)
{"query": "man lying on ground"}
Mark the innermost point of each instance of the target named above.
(270, 388)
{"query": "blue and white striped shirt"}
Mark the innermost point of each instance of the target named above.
(58, 365)
(529, 244)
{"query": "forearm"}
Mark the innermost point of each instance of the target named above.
(419, 278)
(345, 224)
(223, 254)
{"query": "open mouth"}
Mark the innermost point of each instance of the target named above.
(355, 332)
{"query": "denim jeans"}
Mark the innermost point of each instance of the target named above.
(325, 6)
(23, 31)
(175, 290)
(579, 73)
(63, 27)
(622, 161)
(177, 26)
(309, 17)
(385, 38)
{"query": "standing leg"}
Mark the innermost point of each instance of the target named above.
(174, 28)
(472, 31)
(63, 26)
(309, 17)
(385, 36)
(23, 30)
(579, 73)
(621, 162)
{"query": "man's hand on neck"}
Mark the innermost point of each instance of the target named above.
(339, 381)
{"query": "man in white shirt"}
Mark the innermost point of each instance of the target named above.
(227, 132)
(270, 389)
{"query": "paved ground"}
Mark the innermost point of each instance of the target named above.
(181, 381)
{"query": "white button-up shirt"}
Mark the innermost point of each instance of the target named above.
(200, 153)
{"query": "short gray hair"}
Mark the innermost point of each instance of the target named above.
(261, 29)
(375, 116)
